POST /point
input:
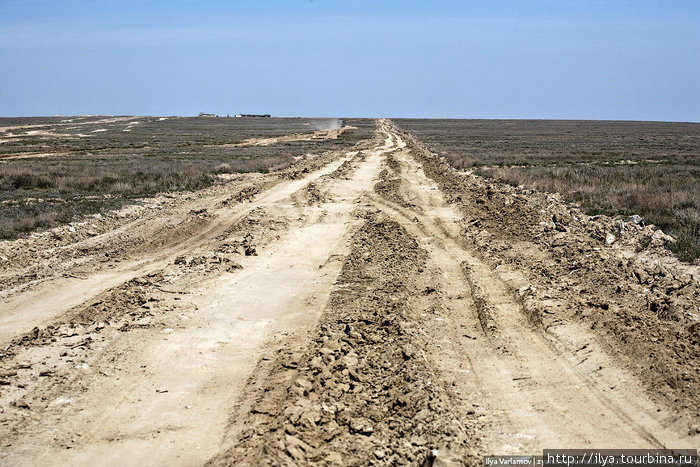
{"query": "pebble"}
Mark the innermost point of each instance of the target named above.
(63, 400)
(635, 219)
(361, 425)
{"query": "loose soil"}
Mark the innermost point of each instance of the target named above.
(366, 307)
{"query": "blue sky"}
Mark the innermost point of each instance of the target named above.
(592, 59)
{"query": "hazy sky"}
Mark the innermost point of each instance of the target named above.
(588, 59)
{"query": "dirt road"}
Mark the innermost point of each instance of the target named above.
(349, 313)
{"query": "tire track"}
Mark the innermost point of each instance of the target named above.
(522, 368)
(161, 386)
(344, 399)
(356, 326)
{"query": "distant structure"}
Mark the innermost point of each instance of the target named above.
(202, 114)
(253, 115)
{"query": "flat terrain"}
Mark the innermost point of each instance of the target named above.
(55, 170)
(369, 305)
(614, 167)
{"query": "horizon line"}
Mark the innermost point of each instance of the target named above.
(361, 117)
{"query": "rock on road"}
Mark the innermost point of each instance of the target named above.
(353, 313)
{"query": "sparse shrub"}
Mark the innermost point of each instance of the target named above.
(222, 168)
(122, 188)
(686, 247)
(646, 168)
(104, 172)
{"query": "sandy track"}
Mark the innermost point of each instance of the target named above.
(318, 135)
(534, 393)
(70, 122)
(337, 317)
(57, 296)
(184, 409)
(32, 155)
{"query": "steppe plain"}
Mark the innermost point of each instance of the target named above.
(225, 291)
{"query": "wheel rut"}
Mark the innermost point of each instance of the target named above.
(533, 394)
(340, 317)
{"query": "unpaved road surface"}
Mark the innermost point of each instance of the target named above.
(373, 307)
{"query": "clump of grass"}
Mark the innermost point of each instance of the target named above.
(686, 247)
(28, 215)
(223, 168)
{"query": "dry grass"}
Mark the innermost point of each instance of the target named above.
(117, 167)
(665, 195)
(646, 168)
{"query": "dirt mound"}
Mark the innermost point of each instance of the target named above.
(342, 171)
(323, 320)
(389, 183)
(643, 306)
(314, 195)
(364, 391)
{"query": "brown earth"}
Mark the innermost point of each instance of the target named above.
(316, 135)
(370, 307)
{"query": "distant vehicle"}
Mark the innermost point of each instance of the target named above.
(202, 114)
(253, 115)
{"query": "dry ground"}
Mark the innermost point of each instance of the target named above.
(371, 306)
(610, 167)
(57, 170)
